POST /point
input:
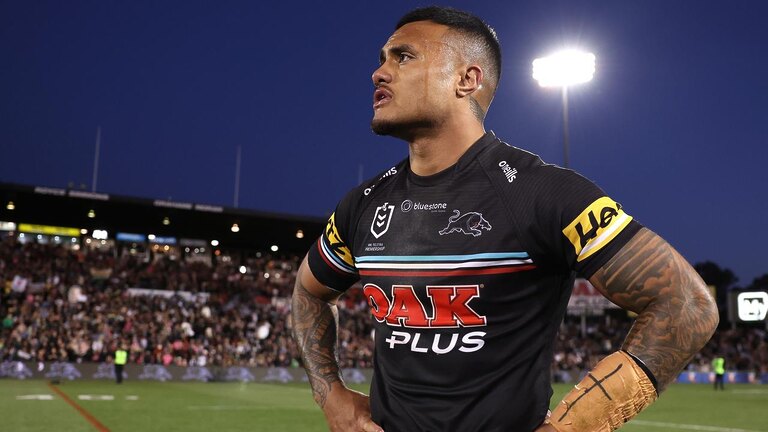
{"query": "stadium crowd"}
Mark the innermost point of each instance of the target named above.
(59, 303)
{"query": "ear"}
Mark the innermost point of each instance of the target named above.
(470, 82)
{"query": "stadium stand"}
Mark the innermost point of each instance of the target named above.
(61, 304)
(73, 298)
(76, 305)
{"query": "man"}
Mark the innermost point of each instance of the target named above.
(467, 252)
(718, 365)
(121, 358)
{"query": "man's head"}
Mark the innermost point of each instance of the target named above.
(439, 63)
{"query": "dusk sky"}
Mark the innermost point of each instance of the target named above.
(674, 125)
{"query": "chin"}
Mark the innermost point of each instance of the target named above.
(383, 126)
(400, 129)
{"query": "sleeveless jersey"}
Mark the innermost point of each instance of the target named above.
(468, 273)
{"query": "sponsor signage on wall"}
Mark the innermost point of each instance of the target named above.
(748, 306)
(49, 230)
(586, 299)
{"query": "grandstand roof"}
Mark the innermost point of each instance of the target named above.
(70, 207)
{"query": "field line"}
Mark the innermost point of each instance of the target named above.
(688, 426)
(90, 418)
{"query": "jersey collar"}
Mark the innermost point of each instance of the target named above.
(465, 159)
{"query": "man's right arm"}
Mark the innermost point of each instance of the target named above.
(315, 327)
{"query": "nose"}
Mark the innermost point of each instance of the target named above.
(381, 75)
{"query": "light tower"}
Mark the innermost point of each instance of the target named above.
(564, 69)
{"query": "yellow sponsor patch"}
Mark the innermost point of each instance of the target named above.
(335, 243)
(596, 226)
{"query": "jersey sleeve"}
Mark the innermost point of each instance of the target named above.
(580, 227)
(330, 258)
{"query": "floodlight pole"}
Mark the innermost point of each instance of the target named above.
(237, 177)
(565, 127)
(96, 159)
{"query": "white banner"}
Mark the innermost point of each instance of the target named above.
(585, 298)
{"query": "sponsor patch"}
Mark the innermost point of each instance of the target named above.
(596, 226)
(336, 244)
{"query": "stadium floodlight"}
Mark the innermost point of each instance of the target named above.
(91, 214)
(214, 243)
(243, 269)
(274, 248)
(10, 205)
(166, 220)
(235, 228)
(300, 234)
(564, 68)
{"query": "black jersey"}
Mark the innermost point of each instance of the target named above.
(467, 273)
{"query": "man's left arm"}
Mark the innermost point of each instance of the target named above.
(676, 317)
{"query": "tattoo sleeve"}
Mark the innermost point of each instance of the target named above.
(676, 313)
(315, 324)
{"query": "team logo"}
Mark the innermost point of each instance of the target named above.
(596, 226)
(470, 223)
(63, 370)
(155, 372)
(198, 373)
(381, 219)
(14, 369)
(239, 373)
(280, 374)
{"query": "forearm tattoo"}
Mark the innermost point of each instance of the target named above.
(676, 313)
(315, 324)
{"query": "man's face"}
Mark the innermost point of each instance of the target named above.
(415, 84)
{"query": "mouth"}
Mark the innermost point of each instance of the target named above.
(381, 96)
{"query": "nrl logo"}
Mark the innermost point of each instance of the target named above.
(470, 223)
(381, 219)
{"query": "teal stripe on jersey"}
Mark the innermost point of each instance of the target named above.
(433, 258)
(332, 256)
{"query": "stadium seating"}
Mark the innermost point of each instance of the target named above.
(68, 304)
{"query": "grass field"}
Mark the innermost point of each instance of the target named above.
(27, 406)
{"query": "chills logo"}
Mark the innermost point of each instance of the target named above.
(450, 310)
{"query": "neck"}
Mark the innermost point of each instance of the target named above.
(436, 150)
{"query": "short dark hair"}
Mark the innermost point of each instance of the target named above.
(466, 24)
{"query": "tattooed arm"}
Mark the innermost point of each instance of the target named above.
(315, 326)
(676, 317)
(676, 313)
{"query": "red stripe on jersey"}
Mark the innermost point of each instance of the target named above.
(325, 258)
(497, 270)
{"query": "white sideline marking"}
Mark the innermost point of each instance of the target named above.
(96, 397)
(688, 426)
(35, 397)
(131, 397)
